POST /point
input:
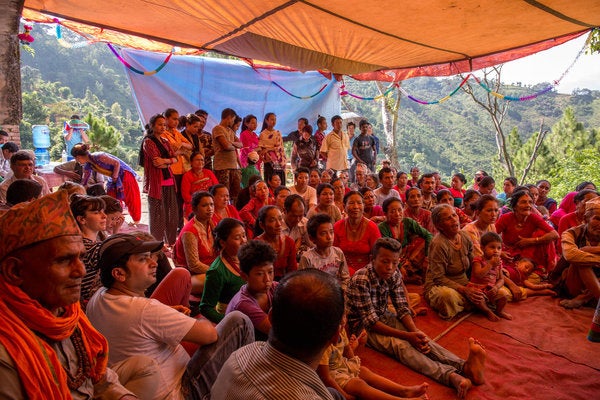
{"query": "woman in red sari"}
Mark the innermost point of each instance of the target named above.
(355, 234)
(197, 179)
(270, 221)
(194, 248)
(414, 210)
(526, 235)
(222, 207)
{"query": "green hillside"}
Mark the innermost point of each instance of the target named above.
(456, 135)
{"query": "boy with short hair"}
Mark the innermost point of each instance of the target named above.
(256, 297)
(325, 256)
(396, 333)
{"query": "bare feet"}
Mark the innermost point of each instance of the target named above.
(461, 384)
(505, 315)
(474, 367)
(416, 391)
(577, 302)
(491, 316)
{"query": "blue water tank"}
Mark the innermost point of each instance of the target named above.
(41, 136)
(42, 157)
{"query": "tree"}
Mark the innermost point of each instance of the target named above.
(594, 41)
(10, 72)
(496, 110)
(390, 107)
(102, 135)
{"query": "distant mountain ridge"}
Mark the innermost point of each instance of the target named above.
(456, 135)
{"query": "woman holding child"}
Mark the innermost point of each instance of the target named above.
(450, 255)
(355, 234)
(249, 139)
(525, 234)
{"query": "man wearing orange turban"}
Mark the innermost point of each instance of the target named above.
(48, 348)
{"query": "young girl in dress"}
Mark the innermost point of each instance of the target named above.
(487, 276)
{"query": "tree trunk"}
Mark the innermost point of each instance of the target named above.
(10, 68)
(390, 106)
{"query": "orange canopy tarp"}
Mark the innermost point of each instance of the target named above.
(399, 39)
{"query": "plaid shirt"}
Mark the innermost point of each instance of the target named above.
(367, 296)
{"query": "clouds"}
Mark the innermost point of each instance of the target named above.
(549, 65)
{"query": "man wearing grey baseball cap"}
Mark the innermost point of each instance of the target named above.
(135, 325)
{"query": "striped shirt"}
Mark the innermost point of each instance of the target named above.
(259, 371)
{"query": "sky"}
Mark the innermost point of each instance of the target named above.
(549, 65)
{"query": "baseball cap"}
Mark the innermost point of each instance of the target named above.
(121, 244)
(253, 156)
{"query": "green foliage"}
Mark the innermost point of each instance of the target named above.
(103, 136)
(453, 136)
(61, 82)
(594, 43)
(568, 156)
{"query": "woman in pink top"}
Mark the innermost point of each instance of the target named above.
(249, 139)
(355, 234)
(371, 211)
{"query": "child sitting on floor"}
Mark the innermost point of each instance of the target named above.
(522, 274)
(340, 369)
(256, 297)
(324, 256)
(486, 275)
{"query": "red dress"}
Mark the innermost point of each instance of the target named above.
(358, 253)
(192, 183)
(286, 258)
(543, 254)
(423, 217)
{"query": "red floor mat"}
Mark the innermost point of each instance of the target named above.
(542, 354)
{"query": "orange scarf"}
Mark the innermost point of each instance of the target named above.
(42, 376)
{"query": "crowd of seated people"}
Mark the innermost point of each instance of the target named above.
(471, 249)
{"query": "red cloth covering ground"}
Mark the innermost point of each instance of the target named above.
(543, 353)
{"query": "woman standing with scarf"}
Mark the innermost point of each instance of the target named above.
(159, 182)
(182, 149)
